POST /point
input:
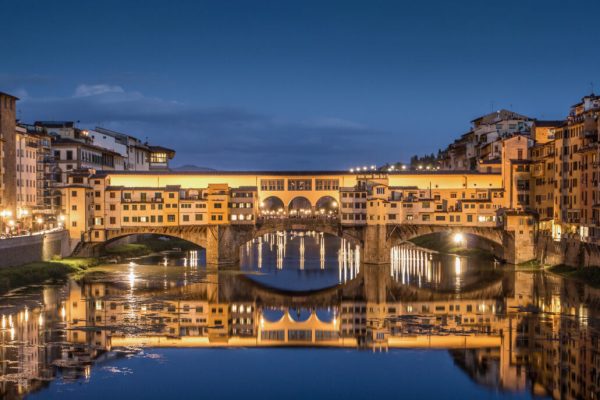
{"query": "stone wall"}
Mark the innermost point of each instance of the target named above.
(21, 250)
(569, 251)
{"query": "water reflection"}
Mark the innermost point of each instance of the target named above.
(301, 260)
(509, 330)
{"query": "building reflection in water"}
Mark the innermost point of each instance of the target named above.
(519, 331)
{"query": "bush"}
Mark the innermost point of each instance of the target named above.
(42, 271)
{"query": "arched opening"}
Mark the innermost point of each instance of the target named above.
(154, 249)
(272, 206)
(300, 206)
(458, 242)
(300, 260)
(326, 205)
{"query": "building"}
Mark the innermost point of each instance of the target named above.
(565, 173)
(27, 177)
(8, 173)
(135, 153)
(483, 142)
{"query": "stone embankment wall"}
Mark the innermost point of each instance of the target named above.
(568, 251)
(21, 250)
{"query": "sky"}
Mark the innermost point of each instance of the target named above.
(296, 84)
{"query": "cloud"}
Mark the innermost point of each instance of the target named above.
(92, 90)
(218, 137)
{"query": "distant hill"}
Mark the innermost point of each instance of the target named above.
(189, 167)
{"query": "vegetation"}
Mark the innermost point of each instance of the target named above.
(42, 271)
(148, 245)
(425, 160)
(531, 264)
(589, 275)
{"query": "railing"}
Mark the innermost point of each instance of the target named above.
(328, 218)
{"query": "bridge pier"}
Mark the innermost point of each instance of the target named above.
(223, 244)
(376, 245)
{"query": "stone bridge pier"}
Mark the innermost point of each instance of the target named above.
(223, 244)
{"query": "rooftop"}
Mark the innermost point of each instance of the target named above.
(293, 173)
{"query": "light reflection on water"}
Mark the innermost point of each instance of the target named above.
(509, 333)
(300, 260)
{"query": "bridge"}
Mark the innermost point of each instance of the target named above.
(222, 211)
(223, 242)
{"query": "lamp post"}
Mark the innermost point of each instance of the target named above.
(39, 221)
(4, 214)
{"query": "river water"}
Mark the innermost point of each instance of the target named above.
(301, 317)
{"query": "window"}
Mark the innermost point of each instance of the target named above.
(73, 193)
(186, 218)
(271, 184)
(198, 217)
(171, 218)
(327, 184)
(299, 184)
(158, 158)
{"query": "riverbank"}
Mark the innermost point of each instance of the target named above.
(148, 245)
(38, 272)
(587, 275)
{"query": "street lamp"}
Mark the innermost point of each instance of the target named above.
(39, 221)
(458, 238)
(4, 214)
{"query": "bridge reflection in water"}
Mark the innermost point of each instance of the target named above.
(512, 330)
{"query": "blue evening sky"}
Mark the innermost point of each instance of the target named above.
(296, 84)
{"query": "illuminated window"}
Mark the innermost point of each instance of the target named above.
(158, 158)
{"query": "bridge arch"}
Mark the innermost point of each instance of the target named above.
(405, 232)
(324, 225)
(485, 238)
(272, 204)
(196, 235)
(326, 205)
(299, 205)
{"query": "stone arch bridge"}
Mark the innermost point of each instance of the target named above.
(222, 242)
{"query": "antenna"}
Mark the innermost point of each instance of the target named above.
(592, 87)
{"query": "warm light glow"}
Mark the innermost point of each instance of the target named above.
(457, 266)
(458, 238)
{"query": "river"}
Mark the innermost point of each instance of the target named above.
(301, 317)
